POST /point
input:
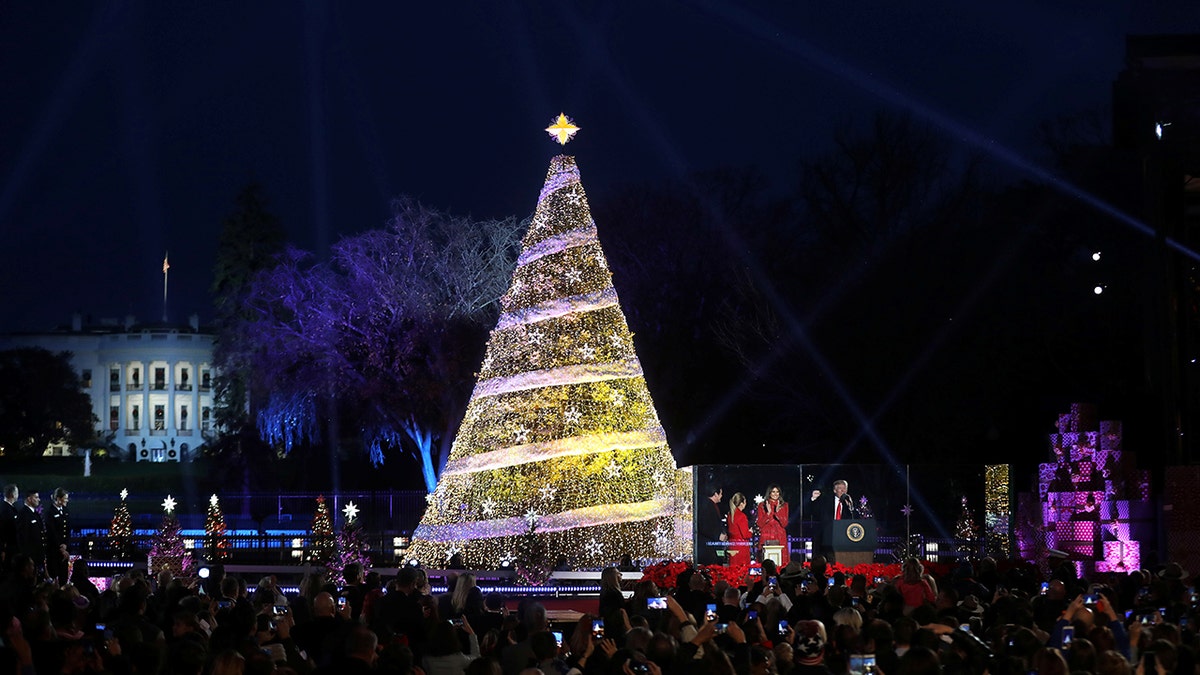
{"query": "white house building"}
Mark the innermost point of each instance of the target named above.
(151, 384)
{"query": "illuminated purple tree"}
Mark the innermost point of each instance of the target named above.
(383, 338)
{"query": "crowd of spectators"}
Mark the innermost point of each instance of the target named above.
(799, 620)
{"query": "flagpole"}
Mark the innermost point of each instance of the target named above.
(166, 267)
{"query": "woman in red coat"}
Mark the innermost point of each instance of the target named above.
(739, 531)
(772, 518)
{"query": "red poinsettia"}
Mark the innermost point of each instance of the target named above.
(666, 574)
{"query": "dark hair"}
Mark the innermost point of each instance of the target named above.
(443, 640)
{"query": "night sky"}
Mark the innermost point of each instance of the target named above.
(129, 127)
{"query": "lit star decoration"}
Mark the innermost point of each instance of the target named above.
(562, 129)
(573, 275)
(758, 499)
(213, 500)
(613, 469)
(538, 379)
(594, 547)
(531, 517)
(588, 352)
(169, 504)
(351, 511)
(124, 494)
(907, 510)
(521, 435)
(430, 498)
(547, 492)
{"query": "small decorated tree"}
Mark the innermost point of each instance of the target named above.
(320, 547)
(215, 539)
(120, 534)
(351, 547)
(966, 531)
(168, 551)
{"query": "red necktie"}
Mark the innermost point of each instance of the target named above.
(837, 514)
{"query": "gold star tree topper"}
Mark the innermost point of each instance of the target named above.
(563, 129)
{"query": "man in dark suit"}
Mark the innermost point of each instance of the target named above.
(58, 533)
(8, 523)
(710, 526)
(31, 539)
(838, 506)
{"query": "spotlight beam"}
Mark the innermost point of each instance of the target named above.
(957, 131)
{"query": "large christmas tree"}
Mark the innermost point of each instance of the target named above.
(561, 453)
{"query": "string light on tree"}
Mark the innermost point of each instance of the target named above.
(168, 552)
(546, 411)
(216, 540)
(120, 534)
(321, 544)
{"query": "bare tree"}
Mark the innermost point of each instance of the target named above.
(384, 337)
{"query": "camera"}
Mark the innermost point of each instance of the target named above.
(710, 613)
(456, 621)
(751, 615)
(1091, 599)
(783, 627)
(224, 604)
(656, 603)
(639, 667)
(1045, 587)
(1068, 634)
(722, 627)
(341, 602)
(598, 628)
(281, 609)
(831, 582)
(558, 637)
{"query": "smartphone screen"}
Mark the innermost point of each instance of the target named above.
(656, 603)
(598, 628)
(1045, 587)
(751, 615)
(783, 627)
(1068, 634)
(831, 582)
(558, 638)
(710, 613)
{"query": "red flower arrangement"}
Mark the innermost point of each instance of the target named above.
(666, 574)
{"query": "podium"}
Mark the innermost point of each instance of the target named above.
(853, 540)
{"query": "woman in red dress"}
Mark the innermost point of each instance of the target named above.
(739, 531)
(772, 518)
